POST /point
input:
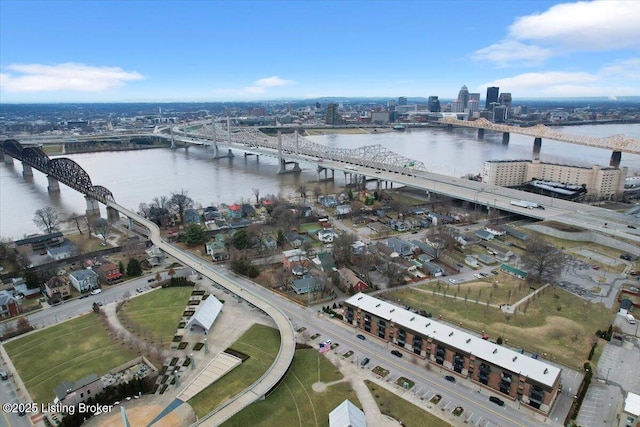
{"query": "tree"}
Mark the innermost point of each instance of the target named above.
(103, 228)
(195, 233)
(134, 268)
(76, 219)
(542, 261)
(256, 192)
(31, 279)
(121, 267)
(303, 191)
(280, 239)
(47, 219)
(180, 202)
(240, 239)
(342, 248)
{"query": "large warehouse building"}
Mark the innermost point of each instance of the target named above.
(533, 382)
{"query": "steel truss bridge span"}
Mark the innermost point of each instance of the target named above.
(61, 169)
(372, 156)
(620, 143)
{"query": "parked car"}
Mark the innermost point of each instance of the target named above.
(360, 337)
(450, 378)
(497, 401)
(96, 291)
(632, 226)
(4, 375)
(452, 280)
(396, 353)
(364, 361)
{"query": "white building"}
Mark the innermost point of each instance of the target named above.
(347, 415)
(630, 416)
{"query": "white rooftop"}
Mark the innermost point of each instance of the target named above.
(206, 314)
(495, 354)
(347, 415)
(632, 404)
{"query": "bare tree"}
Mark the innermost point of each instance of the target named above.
(342, 248)
(256, 192)
(180, 202)
(102, 227)
(542, 261)
(76, 219)
(47, 219)
(303, 192)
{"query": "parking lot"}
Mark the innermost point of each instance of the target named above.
(600, 405)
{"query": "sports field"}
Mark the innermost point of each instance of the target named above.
(68, 351)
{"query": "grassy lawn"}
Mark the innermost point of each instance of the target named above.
(261, 343)
(556, 322)
(408, 413)
(156, 314)
(66, 352)
(294, 403)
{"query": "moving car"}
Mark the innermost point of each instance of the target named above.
(4, 375)
(450, 378)
(396, 353)
(497, 401)
(360, 337)
(364, 361)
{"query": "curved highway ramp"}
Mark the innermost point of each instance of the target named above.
(284, 358)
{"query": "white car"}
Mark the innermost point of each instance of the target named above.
(477, 275)
(96, 291)
(452, 280)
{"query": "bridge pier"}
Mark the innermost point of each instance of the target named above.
(26, 170)
(283, 167)
(449, 127)
(93, 207)
(218, 155)
(1, 155)
(112, 214)
(480, 133)
(326, 178)
(8, 160)
(252, 154)
(537, 146)
(505, 137)
(616, 157)
(130, 225)
(54, 185)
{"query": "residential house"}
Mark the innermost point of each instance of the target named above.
(191, 215)
(325, 262)
(358, 248)
(398, 225)
(515, 233)
(343, 210)
(471, 261)
(58, 288)
(485, 235)
(216, 248)
(74, 392)
(20, 288)
(433, 269)
(211, 213)
(496, 230)
(9, 305)
(500, 253)
(329, 201)
(270, 243)
(351, 279)
(305, 285)
(326, 235)
(247, 210)
(294, 257)
(110, 273)
(422, 258)
(295, 239)
(235, 211)
(426, 249)
(486, 259)
(400, 246)
(513, 271)
(60, 252)
(84, 280)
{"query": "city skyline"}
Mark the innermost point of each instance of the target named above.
(55, 51)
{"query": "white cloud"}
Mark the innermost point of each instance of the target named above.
(622, 78)
(63, 77)
(507, 52)
(262, 85)
(586, 26)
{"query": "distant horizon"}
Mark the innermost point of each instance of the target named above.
(62, 51)
(632, 98)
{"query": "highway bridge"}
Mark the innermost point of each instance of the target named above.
(71, 174)
(616, 143)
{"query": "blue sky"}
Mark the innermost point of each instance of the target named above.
(157, 51)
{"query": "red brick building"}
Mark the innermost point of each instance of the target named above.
(508, 373)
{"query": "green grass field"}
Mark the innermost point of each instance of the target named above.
(261, 343)
(406, 412)
(294, 403)
(65, 352)
(555, 320)
(156, 314)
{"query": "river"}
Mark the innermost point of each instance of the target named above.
(138, 176)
